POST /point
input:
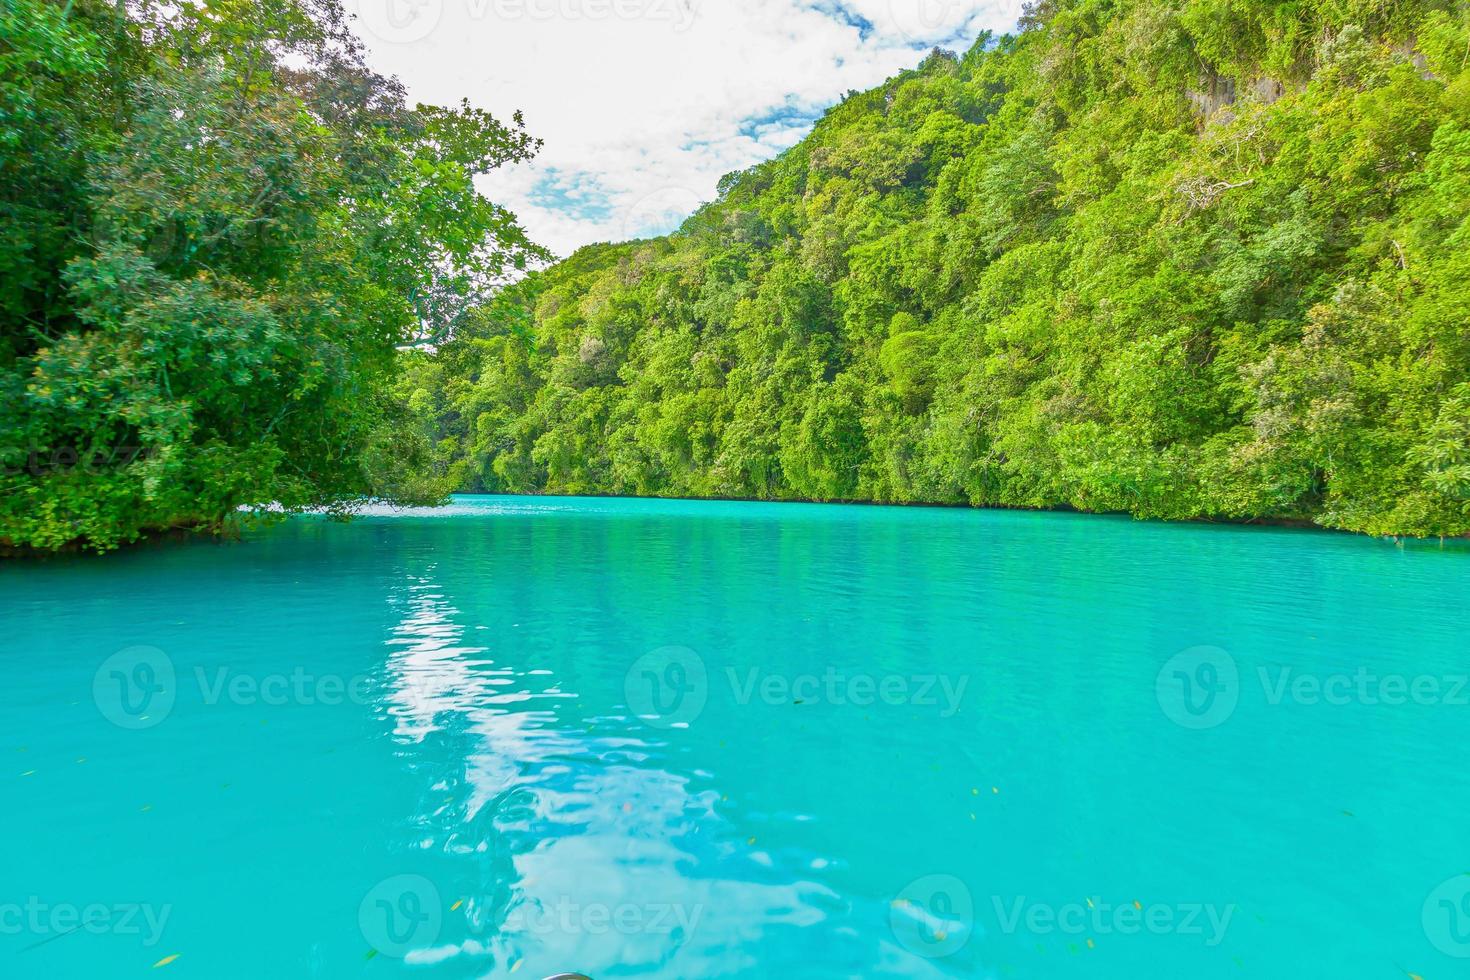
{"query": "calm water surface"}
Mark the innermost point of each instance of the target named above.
(676, 739)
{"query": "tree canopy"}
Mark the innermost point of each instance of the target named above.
(1198, 260)
(217, 227)
(1205, 259)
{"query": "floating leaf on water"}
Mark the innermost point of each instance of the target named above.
(166, 960)
(456, 905)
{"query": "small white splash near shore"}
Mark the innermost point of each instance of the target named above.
(478, 507)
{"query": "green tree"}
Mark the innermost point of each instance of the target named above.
(219, 226)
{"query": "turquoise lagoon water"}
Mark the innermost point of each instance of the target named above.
(679, 739)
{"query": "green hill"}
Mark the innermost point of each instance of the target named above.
(1203, 260)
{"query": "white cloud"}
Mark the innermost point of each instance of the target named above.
(645, 104)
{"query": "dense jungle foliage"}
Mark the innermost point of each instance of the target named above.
(217, 227)
(1200, 259)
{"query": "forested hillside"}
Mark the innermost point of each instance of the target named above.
(1207, 259)
(216, 228)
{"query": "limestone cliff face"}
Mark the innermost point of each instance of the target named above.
(1217, 93)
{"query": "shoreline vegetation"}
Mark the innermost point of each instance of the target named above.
(1206, 262)
(218, 227)
(230, 531)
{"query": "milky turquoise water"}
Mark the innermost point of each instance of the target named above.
(677, 739)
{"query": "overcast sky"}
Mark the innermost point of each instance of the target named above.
(645, 104)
